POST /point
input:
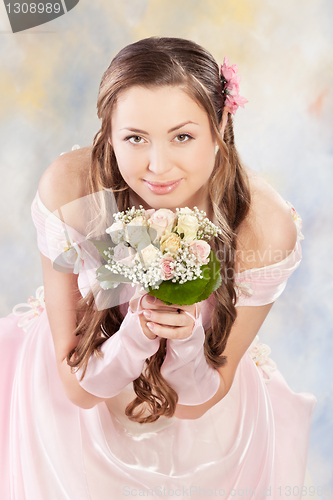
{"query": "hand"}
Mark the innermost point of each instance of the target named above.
(170, 322)
(133, 305)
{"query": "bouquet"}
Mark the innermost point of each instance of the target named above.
(165, 252)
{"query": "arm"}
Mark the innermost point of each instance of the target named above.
(60, 185)
(243, 331)
(61, 295)
(129, 344)
(198, 385)
(124, 353)
(281, 240)
(185, 367)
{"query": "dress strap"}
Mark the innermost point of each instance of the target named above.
(191, 315)
(139, 304)
(138, 307)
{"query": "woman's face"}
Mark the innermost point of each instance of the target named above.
(164, 147)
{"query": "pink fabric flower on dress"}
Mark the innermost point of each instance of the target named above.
(230, 81)
(260, 355)
(35, 308)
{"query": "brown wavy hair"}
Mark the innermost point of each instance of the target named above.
(155, 62)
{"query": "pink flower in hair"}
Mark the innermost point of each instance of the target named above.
(230, 81)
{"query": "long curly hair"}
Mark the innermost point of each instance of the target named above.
(155, 62)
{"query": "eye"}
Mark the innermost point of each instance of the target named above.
(183, 137)
(134, 139)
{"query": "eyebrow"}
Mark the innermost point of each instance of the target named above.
(138, 131)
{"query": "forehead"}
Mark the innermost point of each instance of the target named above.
(168, 103)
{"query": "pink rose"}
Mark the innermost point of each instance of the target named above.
(162, 220)
(167, 270)
(149, 213)
(201, 250)
(124, 255)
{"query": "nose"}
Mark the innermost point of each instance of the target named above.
(159, 161)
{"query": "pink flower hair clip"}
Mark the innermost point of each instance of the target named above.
(230, 83)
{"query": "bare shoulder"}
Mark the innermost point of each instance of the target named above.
(268, 234)
(66, 179)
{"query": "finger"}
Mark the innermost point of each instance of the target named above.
(157, 304)
(168, 318)
(194, 310)
(166, 332)
(190, 308)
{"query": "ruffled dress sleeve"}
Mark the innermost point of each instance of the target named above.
(55, 239)
(68, 249)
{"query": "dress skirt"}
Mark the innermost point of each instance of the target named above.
(254, 442)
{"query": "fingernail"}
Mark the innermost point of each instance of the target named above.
(147, 314)
(151, 299)
(151, 326)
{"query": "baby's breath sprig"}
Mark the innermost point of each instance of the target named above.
(138, 274)
(130, 214)
(186, 266)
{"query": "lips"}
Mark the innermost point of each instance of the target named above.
(162, 187)
(166, 183)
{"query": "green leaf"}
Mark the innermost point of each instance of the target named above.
(102, 245)
(192, 291)
(104, 274)
(215, 277)
(181, 294)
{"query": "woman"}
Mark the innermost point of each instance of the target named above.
(183, 402)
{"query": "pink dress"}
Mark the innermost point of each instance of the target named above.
(253, 443)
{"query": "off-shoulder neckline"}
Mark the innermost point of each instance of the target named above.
(276, 264)
(281, 262)
(247, 271)
(43, 207)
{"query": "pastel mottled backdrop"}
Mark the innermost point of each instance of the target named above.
(49, 81)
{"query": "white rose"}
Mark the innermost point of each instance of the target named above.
(162, 220)
(201, 250)
(116, 231)
(124, 255)
(149, 254)
(185, 211)
(188, 224)
(136, 233)
(138, 221)
(170, 242)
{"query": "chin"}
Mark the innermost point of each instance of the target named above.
(169, 201)
(165, 203)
